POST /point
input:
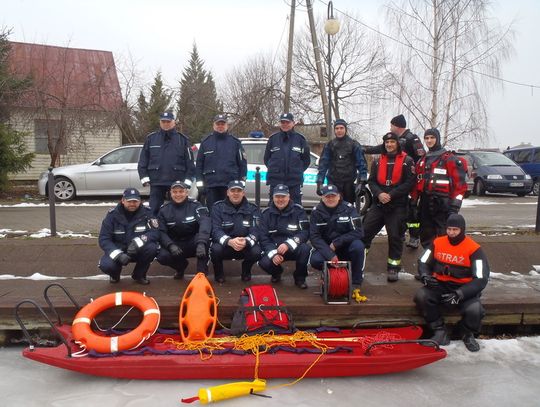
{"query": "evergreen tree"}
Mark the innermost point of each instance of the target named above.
(148, 112)
(13, 152)
(198, 102)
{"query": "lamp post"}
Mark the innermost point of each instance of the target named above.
(331, 27)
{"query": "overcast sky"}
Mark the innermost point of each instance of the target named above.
(159, 35)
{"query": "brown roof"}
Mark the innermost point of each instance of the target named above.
(66, 77)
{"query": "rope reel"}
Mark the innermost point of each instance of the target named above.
(337, 282)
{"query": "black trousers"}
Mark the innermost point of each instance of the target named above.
(428, 302)
(214, 194)
(346, 189)
(393, 220)
(300, 255)
(433, 216)
(179, 263)
(218, 253)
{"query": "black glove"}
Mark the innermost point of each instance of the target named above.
(360, 188)
(132, 249)
(451, 298)
(200, 251)
(123, 259)
(175, 250)
(430, 281)
(319, 188)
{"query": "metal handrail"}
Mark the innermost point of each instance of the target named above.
(424, 342)
(49, 302)
(386, 321)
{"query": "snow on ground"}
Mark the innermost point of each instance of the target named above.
(43, 233)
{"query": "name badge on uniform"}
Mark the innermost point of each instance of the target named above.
(275, 149)
(441, 171)
(190, 218)
(292, 227)
(246, 223)
(297, 149)
(208, 152)
(344, 219)
(140, 228)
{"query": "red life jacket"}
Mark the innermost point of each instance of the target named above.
(261, 311)
(453, 263)
(382, 173)
(444, 176)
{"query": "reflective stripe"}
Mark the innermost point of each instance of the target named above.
(413, 225)
(114, 344)
(250, 241)
(223, 239)
(393, 262)
(199, 184)
(145, 180)
(138, 241)
(81, 321)
(118, 298)
(272, 253)
(425, 256)
(291, 243)
(479, 269)
(188, 182)
(321, 224)
(151, 311)
(115, 253)
(442, 181)
(459, 197)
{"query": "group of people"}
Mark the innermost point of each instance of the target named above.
(411, 188)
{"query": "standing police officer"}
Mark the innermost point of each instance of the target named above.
(335, 231)
(454, 271)
(220, 160)
(286, 158)
(128, 233)
(166, 156)
(234, 232)
(390, 180)
(441, 186)
(283, 232)
(185, 229)
(342, 163)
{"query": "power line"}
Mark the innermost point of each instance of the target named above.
(528, 85)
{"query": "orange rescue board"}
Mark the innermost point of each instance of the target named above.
(198, 310)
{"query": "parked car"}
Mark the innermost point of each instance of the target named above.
(491, 171)
(116, 170)
(528, 158)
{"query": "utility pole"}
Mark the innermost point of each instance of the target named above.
(320, 75)
(287, 102)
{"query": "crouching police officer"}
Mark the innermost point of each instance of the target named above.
(185, 229)
(283, 232)
(234, 232)
(128, 233)
(335, 231)
(454, 270)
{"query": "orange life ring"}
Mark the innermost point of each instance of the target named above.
(198, 310)
(84, 335)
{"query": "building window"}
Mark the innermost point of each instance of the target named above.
(42, 129)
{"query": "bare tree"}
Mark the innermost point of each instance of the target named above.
(357, 74)
(253, 95)
(448, 53)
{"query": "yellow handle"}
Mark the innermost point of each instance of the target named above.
(231, 390)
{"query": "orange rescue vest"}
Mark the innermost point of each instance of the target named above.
(453, 263)
(382, 174)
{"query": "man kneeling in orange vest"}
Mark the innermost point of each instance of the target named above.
(454, 271)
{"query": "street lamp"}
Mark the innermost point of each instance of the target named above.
(331, 27)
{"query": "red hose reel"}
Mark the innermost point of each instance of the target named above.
(337, 282)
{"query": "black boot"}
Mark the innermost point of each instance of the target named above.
(470, 342)
(439, 333)
(393, 274)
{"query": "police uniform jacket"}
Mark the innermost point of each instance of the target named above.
(289, 226)
(462, 267)
(286, 158)
(342, 160)
(120, 227)
(184, 221)
(221, 159)
(340, 226)
(166, 157)
(230, 221)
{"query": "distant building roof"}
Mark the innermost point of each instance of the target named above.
(66, 77)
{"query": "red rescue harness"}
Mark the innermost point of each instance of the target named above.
(382, 174)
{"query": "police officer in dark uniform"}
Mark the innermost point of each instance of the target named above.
(286, 158)
(129, 233)
(335, 231)
(411, 144)
(166, 156)
(185, 229)
(342, 163)
(283, 232)
(454, 271)
(220, 160)
(390, 180)
(234, 232)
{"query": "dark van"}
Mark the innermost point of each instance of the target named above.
(528, 158)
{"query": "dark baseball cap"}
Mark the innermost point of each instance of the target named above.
(166, 116)
(330, 190)
(280, 189)
(220, 118)
(131, 194)
(286, 117)
(179, 184)
(236, 184)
